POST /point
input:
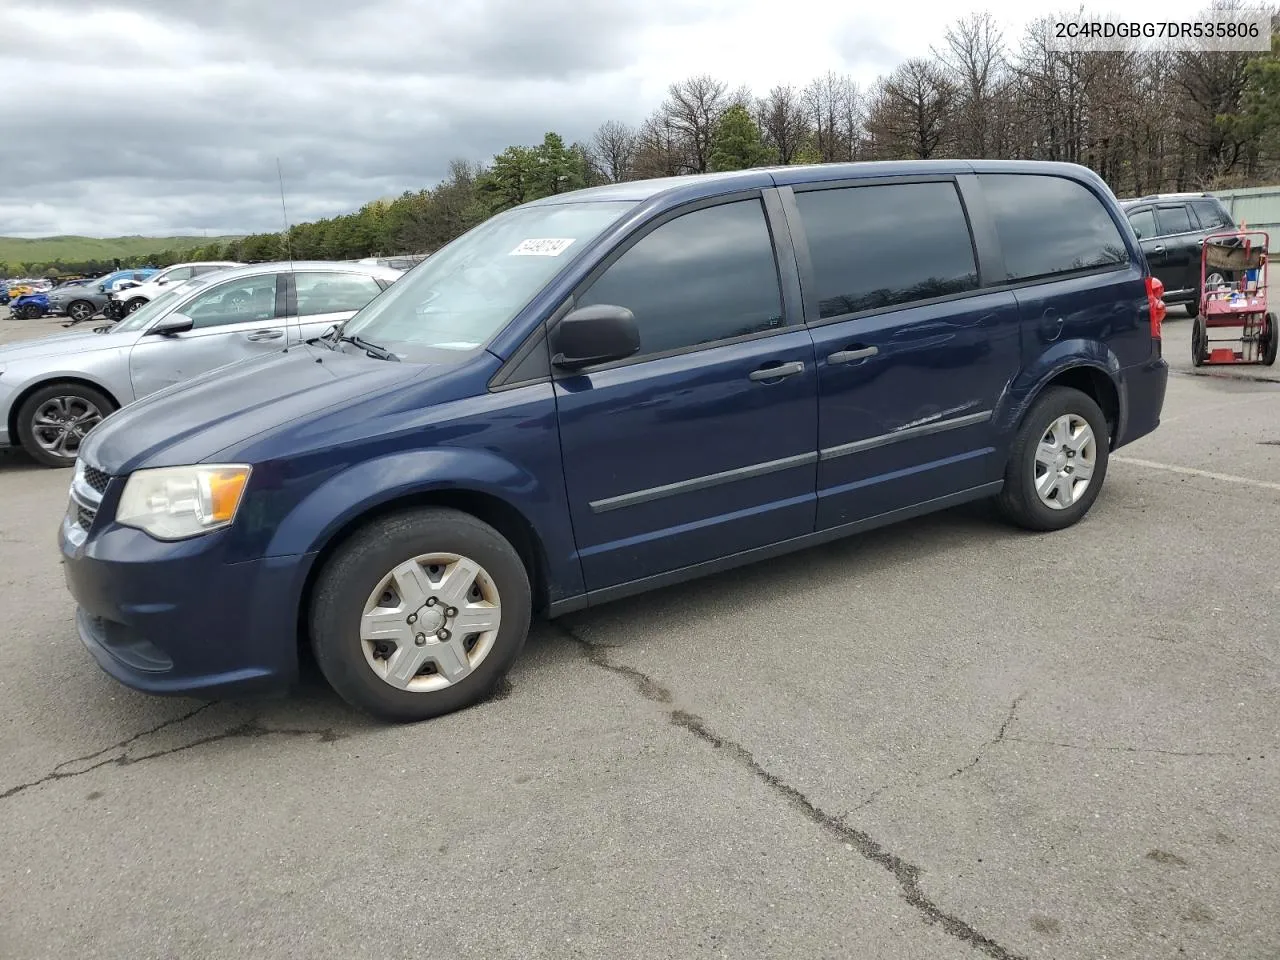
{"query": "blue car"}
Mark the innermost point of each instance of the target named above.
(29, 306)
(605, 392)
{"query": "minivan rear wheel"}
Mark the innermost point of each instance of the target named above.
(1058, 461)
(419, 614)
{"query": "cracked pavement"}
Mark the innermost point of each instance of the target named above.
(944, 739)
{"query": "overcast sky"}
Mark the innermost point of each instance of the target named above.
(146, 117)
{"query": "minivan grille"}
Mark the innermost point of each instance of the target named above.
(96, 478)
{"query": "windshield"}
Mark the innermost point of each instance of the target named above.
(145, 314)
(461, 296)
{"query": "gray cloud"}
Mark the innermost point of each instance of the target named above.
(167, 116)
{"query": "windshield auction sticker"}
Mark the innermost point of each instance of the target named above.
(541, 248)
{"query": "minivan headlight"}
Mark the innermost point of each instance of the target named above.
(174, 503)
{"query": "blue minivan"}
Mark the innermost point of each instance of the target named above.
(609, 391)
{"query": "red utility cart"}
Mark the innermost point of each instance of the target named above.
(1238, 304)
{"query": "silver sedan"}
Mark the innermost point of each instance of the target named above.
(53, 390)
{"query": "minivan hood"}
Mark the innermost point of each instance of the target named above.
(58, 344)
(191, 421)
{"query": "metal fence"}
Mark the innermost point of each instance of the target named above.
(1258, 208)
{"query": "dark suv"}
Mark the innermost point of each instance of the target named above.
(608, 391)
(1171, 228)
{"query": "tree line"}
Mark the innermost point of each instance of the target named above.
(1145, 121)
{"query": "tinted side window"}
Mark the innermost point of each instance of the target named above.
(1211, 215)
(882, 246)
(1050, 225)
(702, 277)
(333, 292)
(180, 273)
(1173, 219)
(1144, 224)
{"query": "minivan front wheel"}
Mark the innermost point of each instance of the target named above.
(420, 614)
(1058, 461)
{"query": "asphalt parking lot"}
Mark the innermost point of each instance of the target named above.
(943, 739)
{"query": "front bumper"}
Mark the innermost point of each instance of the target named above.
(175, 618)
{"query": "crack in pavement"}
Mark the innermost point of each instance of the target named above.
(1103, 748)
(907, 874)
(249, 729)
(997, 739)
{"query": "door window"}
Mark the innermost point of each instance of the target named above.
(705, 276)
(333, 292)
(236, 301)
(1144, 223)
(1050, 225)
(884, 246)
(1173, 219)
(180, 273)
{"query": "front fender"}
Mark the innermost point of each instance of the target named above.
(372, 484)
(1059, 358)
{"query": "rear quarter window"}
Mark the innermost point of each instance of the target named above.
(1050, 226)
(1212, 215)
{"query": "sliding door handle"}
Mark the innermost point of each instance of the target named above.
(779, 371)
(849, 356)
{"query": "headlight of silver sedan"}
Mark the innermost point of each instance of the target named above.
(174, 503)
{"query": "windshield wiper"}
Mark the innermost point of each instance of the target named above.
(372, 349)
(334, 335)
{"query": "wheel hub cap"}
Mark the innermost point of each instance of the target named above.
(1065, 461)
(430, 622)
(430, 619)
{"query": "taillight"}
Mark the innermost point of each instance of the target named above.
(1155, 303)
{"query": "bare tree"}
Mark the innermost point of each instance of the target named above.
(693, 108)
(661, 150)
(613, 150)
(783, 122)
(910, 112)
(829, 101)
(973, 57)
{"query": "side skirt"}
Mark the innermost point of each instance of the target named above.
(671, 577)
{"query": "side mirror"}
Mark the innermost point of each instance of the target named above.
(594, 334)
(172, 324)
(161, 281)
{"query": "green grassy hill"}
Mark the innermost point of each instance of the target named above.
(74, 249)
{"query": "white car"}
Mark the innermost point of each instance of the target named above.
(134, 295)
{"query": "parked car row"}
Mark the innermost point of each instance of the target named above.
(54, 389)
(128, 296)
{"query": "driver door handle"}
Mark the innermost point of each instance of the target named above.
(1158, 248)
(848, 356)
(265, 335)
(778, 372)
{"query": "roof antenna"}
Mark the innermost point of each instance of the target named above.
(284, 212)
(288, 245)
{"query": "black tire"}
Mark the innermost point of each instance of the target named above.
(1272, 341)
(30, 406)
(1199, 342)
(80, 310)
(1018, 502)
(131, 305)
(353, 572)
(1193, 308)
(31, 312)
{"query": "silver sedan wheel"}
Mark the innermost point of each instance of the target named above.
(61, 423)
(430, 622)
(1065, 461)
